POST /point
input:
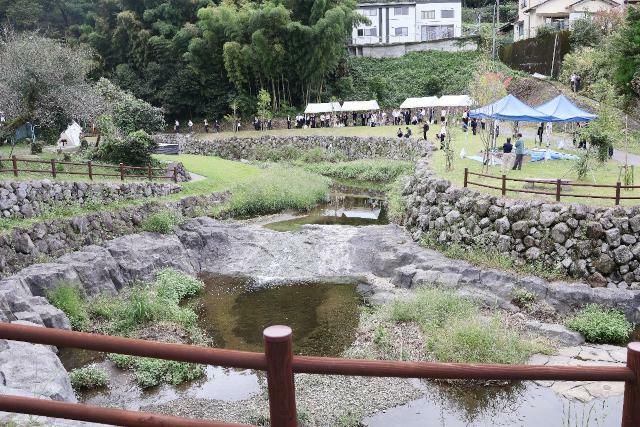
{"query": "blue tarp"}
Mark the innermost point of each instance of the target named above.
(536, 156)
(561, 109)
(509, 108)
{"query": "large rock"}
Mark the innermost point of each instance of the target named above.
(556, 332)
(97, 270)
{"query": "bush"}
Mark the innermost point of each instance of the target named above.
(276, 189)
(152, 372)
(175, 285)
(286, 153)
(135, 149)
(465, 340)
(162, 222)
(601, 325)
(36, 147)
(363, 170)
(67, 298)
(397, 205)
(88, 377)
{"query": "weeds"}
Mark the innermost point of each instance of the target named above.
(601, 325)
(67, 298)
(162, 221)
(377, 170)
(88, 377)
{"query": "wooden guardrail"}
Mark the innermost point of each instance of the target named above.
(280, 364)
(88, 169)
(558, 184)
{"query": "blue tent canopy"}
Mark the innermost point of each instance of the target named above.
(561, 109)
(509, 108)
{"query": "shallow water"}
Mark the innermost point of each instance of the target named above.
(347, 205)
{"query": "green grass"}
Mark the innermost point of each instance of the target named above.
(377, 170)
(607, 174)
(276, 189)
(68, 299)
(455, 330)
(396, 203)
(153, 372)
(601, 325)
(88, 377)
(162, 222)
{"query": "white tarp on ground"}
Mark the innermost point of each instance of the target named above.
(455, 101)
(323, 107)
(360, 105)
(424, 102)
(71, 136)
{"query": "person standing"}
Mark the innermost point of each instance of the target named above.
(442, 135)
(507, 156)
(540, 133)
(288, 122)
(443, 115)
(190, 126)
(474, 125)
(176, 126)
(206, 126)
(425, 129)
(216, 127)
(519, 153)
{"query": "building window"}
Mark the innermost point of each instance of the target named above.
(371, 32)
(369, 12)
(521, 28)
(402, 31)
(360, 32)
(523, 4)
(446, 13)
(401, 10)
(428, 14)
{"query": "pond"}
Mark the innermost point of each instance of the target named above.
(355, 204)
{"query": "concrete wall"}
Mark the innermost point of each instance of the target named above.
(400, 49)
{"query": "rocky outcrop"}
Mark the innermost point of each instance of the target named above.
(52, 238)
(25, 199)
(248, 147)
(598, 245)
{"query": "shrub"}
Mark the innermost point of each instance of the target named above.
(152, 372)
(601, 325)
(362, 170)
(175, 285)
(286, 153)
(465, 340)
(67, 298)
(36, 147)
(276, 189)
(162, 221)
(135, 149)
(522, 297)
(88, 377)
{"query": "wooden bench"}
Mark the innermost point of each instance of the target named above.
(565, 184)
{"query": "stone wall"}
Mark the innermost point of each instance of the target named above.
(24, 199)
(51, 238)
(353, 148)
(599, 245)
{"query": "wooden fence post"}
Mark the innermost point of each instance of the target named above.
(631, 406)
(90, 167)
(53, 168)
(14, 160)
(150, 173)
(617, 193)
(466, 176)
(558, 189)
(504, 185)
(121, 172)
(278, 347)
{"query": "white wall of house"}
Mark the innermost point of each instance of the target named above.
(408, 22)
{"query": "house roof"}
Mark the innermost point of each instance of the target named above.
(610, 2)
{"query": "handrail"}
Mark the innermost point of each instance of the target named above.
(559, 183)
(280, 364)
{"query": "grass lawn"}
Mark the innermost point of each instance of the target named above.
(606, 174)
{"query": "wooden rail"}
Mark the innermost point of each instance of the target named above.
(280, 364)
(558, 183)
(121, 169)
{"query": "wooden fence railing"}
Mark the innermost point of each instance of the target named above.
(558, 187)
(55, 167)
(280, 365)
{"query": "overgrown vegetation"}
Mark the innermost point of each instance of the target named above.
(455, 330)
(396, 203)
(135, 312)
(491, 258)
(88, 377)
(601, 325)
(162, 221)
(377, 170)
(276, 189)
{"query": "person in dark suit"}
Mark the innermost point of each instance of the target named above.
(425, 129)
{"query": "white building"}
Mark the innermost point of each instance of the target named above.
(558, 14)
(408, 22)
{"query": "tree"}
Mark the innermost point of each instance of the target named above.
(628, 52)
(604, 132)
(130, 113)
(45, 82)
(264, 105)
(585, 32)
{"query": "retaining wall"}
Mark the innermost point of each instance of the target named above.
(600, 245)
(352, 148)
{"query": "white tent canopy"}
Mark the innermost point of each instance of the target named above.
(360, 105)
(455, 101)
(71, 136)
(424, 102)
(323, 107)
